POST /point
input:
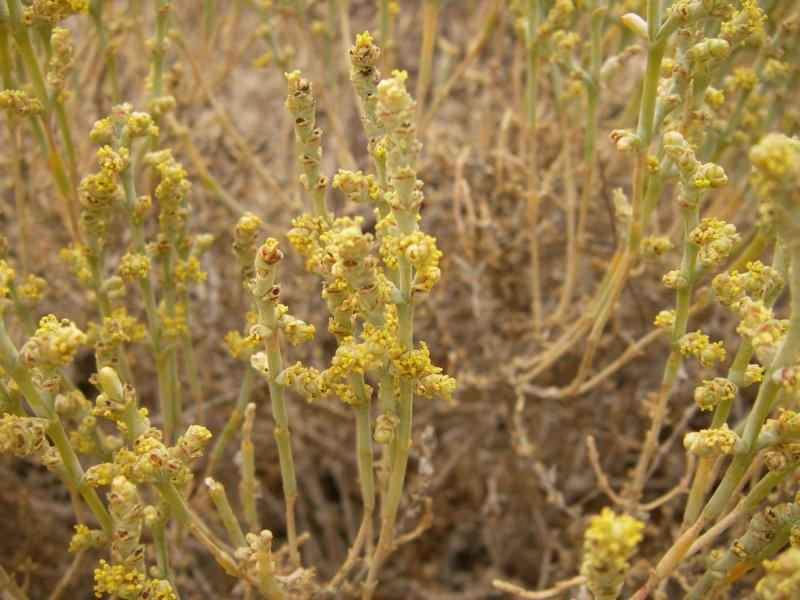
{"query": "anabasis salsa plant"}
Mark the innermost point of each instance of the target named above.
(135, 474)
(217, 349)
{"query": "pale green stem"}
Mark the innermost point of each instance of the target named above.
(430, 14)
(364, 453)
(173, 498)
(267, 319)
(96, 14)
(220, 499)
(384, 24)
(245, 393)
(248, 472)
(162, 551)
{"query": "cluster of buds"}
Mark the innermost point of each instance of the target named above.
(305, 238)
(129, 584)
(656, 246)
(421, 252)
(416, 366)
(698, 344)
(99, 191)
(85, 538)
(301, 104)
(20, 103)
(691, 61)
(665, 320)
(365, 76)
(239, 345)
(85, 438)
(23, 436)
(134, 266)
(744, 24)
(708, 52)
(122, 127)
(171, 192)
(308, 382)
(296, 331)
(245, 238)
(758, 282)
(354, 270)
(31, 290)
(7, 276)
(61, 62)
(125, 577)
(118, 402)
(558, 17)
(781, 578)
(695, 177)
(396, 110)
(47, 12)
(126, 516)
(789, 379)
(714, 442)
(53, 345)
(151, 461)
(776, 177)
(256, 560)
(386, 427)
(779, 457)
(77, 256)
(716, 239)
(783, 430)
(714, 391)
(608, 544)
(626, 141)
(356, 186)
(758, 324)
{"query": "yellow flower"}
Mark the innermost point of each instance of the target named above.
(713, 442)
(698, 344)
(134, 266)
(53, 345)
(608, 543)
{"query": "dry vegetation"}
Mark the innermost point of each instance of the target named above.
(566, 170)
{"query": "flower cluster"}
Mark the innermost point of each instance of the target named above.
(47, 12)
(714, 391)
(171, 192)
(134, 266)
(656, 246)
(758, 282)
(53, 345)
(781, 578)
(695, 177)
(22, 436)
(744, 24)
(61, 62)
(713, 442)
(776, 177)
(245, 238)
(698, 344)
(716, 239)
(608, 544)
(19, 103)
